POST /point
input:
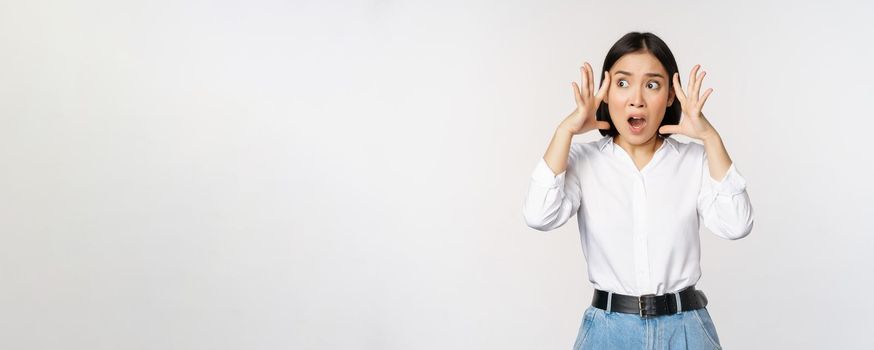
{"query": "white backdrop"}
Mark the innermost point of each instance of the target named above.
(313, 175)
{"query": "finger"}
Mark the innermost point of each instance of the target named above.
(669, 129)
(602, 92)
(678, 90)
(585, 84)
(602, 125)
(692, 75)
(591, 75)
(577, 97)
(704, 98)
(698, 84)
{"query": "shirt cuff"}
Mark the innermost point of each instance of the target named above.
(733, 183)
(544, 176)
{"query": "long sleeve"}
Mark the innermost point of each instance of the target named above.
(552, 199)
(724, 206)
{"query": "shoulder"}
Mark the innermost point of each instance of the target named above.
(592, 146)
(686, 148)
(689, 152)
(587, 146)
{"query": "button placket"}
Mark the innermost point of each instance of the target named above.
(639, 215)
(641, 250)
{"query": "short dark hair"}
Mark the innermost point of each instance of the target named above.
(649, 42)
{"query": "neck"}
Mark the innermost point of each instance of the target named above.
(644, 149)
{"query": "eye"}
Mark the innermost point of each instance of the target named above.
(622, 81)
(653, 83)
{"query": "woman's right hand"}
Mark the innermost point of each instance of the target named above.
(583, 119)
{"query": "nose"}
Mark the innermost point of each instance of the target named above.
(636, 99)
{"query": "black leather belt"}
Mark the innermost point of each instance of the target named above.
(651, 304)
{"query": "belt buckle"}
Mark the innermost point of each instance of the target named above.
(647, 303)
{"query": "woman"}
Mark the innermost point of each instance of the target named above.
(639, 196)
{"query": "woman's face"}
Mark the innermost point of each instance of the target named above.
(639, 88)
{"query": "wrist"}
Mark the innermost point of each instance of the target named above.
(563, 131)
(711, 137)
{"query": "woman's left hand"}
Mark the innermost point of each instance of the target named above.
(692, 121)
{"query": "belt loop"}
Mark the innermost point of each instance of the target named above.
(679, 302)
(609, 301)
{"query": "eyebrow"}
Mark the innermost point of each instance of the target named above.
(646, 74)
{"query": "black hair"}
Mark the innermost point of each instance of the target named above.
(649, 42)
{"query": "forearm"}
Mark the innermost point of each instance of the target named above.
(724, 204)
(717, 157)
(554, 192)
(557, 153)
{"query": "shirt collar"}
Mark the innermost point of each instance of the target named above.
(608, 140)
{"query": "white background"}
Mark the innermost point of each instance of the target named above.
(315, 175)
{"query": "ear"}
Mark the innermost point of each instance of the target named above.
(671, 97)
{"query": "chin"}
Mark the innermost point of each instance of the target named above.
(644, 135)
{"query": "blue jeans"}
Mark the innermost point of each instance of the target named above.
(692, 329)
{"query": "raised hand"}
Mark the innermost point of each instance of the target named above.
(692, 122)
(583, 118)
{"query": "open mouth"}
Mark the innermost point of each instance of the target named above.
(636, 123)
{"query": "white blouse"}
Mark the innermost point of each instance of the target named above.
(639, 228)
